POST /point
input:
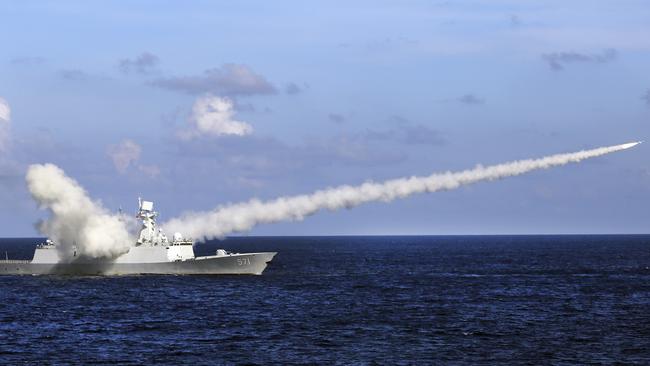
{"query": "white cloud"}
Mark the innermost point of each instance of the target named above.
(213, 116)
(5, 117)
(229, 79)
(151, 171)
(142, 64)
(125, 154)
(5, 111)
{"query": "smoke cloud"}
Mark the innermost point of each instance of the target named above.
(76, 220)
(244, 216)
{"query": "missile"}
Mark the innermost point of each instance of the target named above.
(629, 145)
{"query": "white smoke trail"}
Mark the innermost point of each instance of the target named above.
(76, 220)
(244, 216)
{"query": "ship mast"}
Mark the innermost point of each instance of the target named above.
(149, 233)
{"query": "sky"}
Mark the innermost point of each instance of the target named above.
(198, 104)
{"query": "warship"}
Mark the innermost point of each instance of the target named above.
(152, 253)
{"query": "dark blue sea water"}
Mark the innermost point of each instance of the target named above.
(349, 300)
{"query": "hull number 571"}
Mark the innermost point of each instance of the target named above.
(243, 261)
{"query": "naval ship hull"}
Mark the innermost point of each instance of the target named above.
(248, 264)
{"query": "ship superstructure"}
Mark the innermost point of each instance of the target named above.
(152, 253)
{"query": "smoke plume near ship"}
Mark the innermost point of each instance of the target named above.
(81, 226)
(244, 216)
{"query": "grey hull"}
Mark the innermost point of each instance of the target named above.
(249, 263)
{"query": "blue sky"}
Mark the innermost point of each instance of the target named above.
(329, 93)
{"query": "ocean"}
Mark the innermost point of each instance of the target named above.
(402, 300)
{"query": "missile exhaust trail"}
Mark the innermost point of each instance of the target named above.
(244, 216)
